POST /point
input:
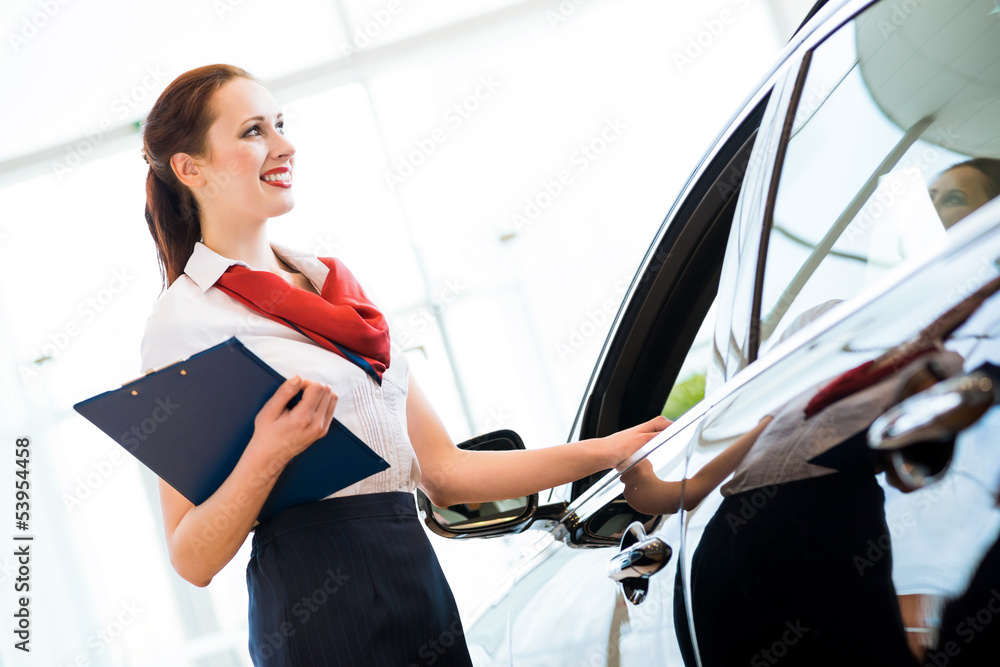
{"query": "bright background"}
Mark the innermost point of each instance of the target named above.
(503, 316)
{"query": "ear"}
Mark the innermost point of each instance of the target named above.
(188, 170)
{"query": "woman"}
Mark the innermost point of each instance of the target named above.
(350, 579)
(964, 187)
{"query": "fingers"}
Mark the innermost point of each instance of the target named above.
(276, 404)
(318, 401)
(313, 394)
(320, 405)
(324, 410)
(657, 424)
(329, 410)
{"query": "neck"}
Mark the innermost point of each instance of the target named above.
(249, 245)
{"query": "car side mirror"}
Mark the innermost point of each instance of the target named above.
(487, 519)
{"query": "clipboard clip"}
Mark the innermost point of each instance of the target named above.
(153, 370)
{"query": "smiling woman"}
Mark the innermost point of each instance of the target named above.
(220, 167)
(223, 157)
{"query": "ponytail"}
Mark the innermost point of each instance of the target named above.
(174, 224)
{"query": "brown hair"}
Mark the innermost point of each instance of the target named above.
(989, 168)
(178, 123)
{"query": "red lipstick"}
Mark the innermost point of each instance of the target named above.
(281, 177)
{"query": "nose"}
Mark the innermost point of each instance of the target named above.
(281, 149)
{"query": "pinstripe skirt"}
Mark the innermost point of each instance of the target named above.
(351, 581)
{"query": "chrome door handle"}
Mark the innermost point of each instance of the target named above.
(918, 434)
(640, 558)
(935, 414)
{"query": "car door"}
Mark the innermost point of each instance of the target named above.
(843, 257)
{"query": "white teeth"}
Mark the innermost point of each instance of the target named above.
(282, 176)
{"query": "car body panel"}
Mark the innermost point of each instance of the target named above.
(558, 606)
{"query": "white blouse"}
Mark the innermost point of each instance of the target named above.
(193, 315)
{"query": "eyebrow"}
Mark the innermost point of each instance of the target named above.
(933, 191)
(280, 116)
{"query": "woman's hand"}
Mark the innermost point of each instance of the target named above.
(619, 446)
(284, 433)
(637, 475)
(647, 493)
(199, 544)
(637, 481)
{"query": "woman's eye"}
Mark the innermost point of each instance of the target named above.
(955, 198)
(280, 125)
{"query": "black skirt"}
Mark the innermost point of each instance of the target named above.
(351, 581)
(800, 571)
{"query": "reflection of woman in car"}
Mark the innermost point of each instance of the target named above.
(964, 187)
(803, 521)
(648, 494)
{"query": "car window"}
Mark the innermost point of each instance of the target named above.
(889, 106)
(693, 378)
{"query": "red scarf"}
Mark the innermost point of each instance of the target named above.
(341, 318)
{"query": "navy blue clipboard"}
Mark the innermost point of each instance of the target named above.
(190, 422)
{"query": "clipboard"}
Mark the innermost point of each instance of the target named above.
(189, 422)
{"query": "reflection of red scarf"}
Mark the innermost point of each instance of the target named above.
(895, 358)
(858, 378)
(340, 318)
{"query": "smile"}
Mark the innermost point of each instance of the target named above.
(280, 177)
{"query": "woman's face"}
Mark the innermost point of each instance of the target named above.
(245, 142)
(957, 193)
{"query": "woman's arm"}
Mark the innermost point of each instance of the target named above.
(648, 494)
(450, 475)
(202, 538)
